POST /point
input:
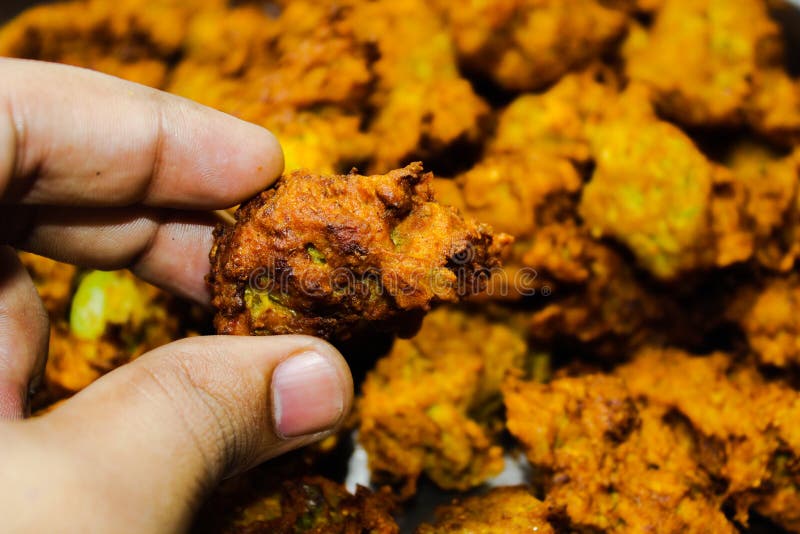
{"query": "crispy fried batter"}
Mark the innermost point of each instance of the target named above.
(322, 255)
(417, 409)
(509, 190)
(768, 187)
(507, 510)
(746, 428)
(418, 84)
(132, 39)
(652, 195)
(773, 109)
(303, 75)
(768, 318)
(555, 122)
(610, 310)
(612, 464)
(527, 44)
(702, 56)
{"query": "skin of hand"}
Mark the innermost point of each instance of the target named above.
(109, 174)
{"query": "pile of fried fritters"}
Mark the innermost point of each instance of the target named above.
(640, 345)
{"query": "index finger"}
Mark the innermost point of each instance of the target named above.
(70, 136)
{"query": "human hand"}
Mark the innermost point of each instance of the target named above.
(108, 174)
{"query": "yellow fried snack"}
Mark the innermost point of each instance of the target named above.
(527, 44)
(774, 106)
(310, 75)
(132, 39)
(512, 192)
(702, 56)
(53, 280)
(611, 310)
(769, 185)
(422, 103)
(114, 318)
(529, 179)
(416, 406)
(652, 195)
(506, 510)
(612, 464)
(768, 318)
(303, 75)
(555, 122)
(745, 425)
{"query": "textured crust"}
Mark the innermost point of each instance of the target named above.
(323, 255)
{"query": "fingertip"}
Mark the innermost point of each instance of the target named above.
(253, 162)
(211, 160)
(311, 391)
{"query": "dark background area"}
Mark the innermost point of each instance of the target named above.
(9, 8)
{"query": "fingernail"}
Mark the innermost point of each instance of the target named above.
(307, 395)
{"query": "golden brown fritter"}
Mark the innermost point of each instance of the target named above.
(527, 44)
(506, 510)
(702, 57)
(611, 463)
(509, 190)
(655, 195)
(322, 255)
(132, 39)
(53, 280)
(418, 408)
(331, 78)
(555, 122)
(746, 427)
(303, 75)
(767, 184)
(316, 505)
(529, 180)
(417, 83)
(608, 308)
(769, 319)
(773, 109)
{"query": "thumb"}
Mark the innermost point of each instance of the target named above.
(158, 433)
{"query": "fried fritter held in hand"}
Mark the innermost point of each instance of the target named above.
(324, 255)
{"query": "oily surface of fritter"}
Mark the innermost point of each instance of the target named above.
(322, 255)
(505, 510)
(418, 406)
